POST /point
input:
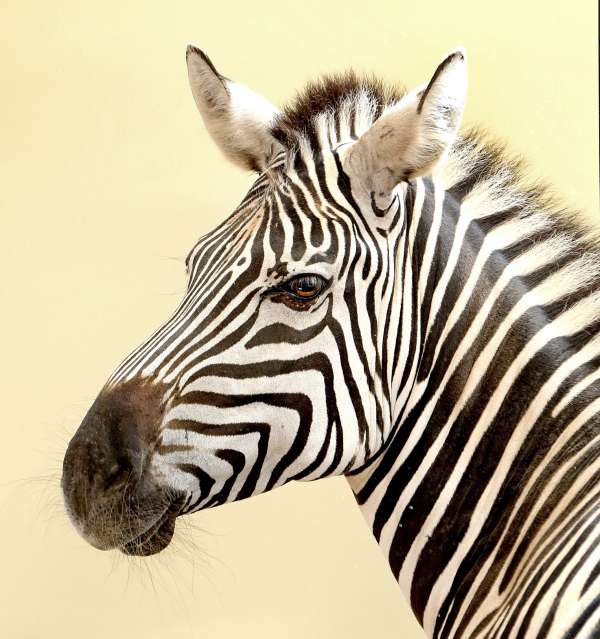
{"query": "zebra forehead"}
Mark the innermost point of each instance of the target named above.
(256, 220)
(343, 97)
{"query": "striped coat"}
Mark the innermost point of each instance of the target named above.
(389, 302)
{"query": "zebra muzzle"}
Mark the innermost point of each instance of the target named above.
(110, 492)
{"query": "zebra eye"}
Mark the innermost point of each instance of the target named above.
(305, 287)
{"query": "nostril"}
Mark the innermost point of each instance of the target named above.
(118, 474)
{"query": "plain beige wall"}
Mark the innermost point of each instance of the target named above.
(106, 179)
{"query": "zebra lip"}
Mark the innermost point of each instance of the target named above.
(156, 538)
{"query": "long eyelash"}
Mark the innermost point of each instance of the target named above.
(283, 287)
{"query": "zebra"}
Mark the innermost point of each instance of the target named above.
(392, 302)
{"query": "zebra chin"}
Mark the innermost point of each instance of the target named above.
(112, 495)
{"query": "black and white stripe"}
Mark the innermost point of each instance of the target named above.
(450, 367)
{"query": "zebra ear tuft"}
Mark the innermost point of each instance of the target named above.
(237, 119)
(415, 134)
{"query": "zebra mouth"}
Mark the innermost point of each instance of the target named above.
(154, 539)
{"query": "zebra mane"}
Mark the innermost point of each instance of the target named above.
(334, 107)
(488, 179)
(344, 98)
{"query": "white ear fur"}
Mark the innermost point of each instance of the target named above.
(415, 134)
(237, 118)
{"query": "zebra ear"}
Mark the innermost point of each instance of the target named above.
(415, 134)
(236, 118)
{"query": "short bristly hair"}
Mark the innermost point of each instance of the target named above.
(476, 164)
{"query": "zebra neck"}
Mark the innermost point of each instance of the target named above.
(482, 406)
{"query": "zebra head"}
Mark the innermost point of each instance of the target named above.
(281, 361)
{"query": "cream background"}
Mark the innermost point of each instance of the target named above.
(106, 179)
